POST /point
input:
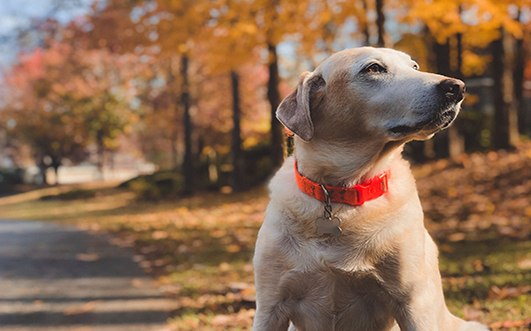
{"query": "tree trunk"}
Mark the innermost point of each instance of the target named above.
(56, 171)
(442, 52)
(188, 167)
(380, 23)
(174, 152)
(101, 153)
(238, 172)
(365, 24)
(456, 141)
(56, 163)
(212, 167)
(174, 135)
(518, 78)
(43, 168)
(505, 113)
(273, 96)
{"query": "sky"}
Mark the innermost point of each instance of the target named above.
(19, 15)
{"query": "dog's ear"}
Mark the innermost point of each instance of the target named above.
(294, 110)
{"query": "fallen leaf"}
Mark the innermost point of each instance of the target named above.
(524, 263)
(459, 236)
(82, 309)
(136, 282)
(495, 293)
(233, 248)
(87, 257)
(157, 235)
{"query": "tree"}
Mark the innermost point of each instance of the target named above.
(380, 23)
(65, 98)
(315, 21)
(235, 43)
(461, 36)
(520, 57)
(238, 174)
(175, 28)
(506, 112)
(39, 116)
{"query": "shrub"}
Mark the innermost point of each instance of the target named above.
(162, 184)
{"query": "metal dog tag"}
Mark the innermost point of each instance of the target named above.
(328, 224)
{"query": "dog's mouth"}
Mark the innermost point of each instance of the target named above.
(440, 122)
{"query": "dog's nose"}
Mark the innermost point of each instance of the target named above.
(453, 89)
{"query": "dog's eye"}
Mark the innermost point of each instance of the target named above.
(375, 68)
(416, 66)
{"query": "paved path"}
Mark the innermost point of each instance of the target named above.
(61, 278)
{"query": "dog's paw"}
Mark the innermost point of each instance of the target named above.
(473, 326)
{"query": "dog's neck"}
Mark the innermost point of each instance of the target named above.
(336, 165)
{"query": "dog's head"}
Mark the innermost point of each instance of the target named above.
(374, 93)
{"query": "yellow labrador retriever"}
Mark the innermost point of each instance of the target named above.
(343, 246)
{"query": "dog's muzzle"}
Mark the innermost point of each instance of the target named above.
(451, 92)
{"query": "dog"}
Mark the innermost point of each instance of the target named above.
(343, 245)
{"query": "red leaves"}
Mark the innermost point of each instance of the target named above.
(511, 324)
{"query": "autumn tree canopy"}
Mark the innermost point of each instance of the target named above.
(194, 84)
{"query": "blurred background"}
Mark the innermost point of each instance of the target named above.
(147, 119)
(113, 89)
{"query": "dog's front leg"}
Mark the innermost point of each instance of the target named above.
(271, 314)
(270, 318)
(424, 308)
(419, 313)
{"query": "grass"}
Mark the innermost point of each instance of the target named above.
(473, 272)
(200, 250)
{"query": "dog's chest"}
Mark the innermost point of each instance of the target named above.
(332, 299)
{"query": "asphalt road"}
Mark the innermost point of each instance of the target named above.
(61, 278)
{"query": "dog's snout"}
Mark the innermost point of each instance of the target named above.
(453, 89)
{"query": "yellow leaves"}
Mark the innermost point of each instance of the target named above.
(250, 142)
(233, 248)
(441, 17)
(452, 192)
(475, 64)
(247, 28)
(128, 129)
(326, 16)
(182, 48)
(479, 19)
(134, 118)
(471, 99)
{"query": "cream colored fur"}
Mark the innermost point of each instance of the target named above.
(382, 272)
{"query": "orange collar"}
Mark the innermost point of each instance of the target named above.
(355, 195)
